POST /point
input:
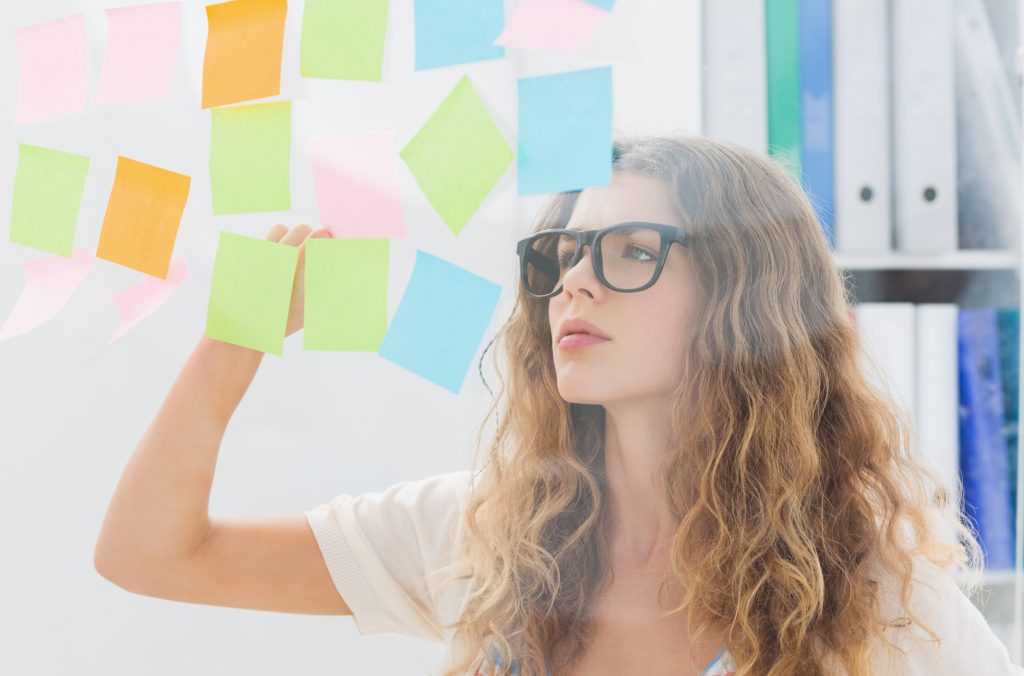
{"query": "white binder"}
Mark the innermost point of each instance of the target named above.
(886, 332)
(924, 125)
(863, 133)
(735, 73)
(938, 392)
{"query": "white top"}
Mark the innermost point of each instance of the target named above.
(379, 547)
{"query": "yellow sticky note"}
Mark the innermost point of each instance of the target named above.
(142, 218)
(243, 51)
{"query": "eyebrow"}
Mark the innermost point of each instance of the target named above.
(625, 230)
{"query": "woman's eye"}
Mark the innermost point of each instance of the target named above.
(634, 249)
(564, 257)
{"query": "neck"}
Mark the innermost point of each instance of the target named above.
(640, 525)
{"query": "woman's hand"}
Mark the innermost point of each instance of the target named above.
(297, 236)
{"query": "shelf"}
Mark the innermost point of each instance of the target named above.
(964, 259)
(996, 578)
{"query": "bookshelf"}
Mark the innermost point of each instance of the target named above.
(966, 277)
(980, 268)
(964, 259)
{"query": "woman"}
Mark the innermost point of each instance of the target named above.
(689, 471)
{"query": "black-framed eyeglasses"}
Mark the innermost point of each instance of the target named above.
(627, 257)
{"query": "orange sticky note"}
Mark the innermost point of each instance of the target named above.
(143, 215)
(243, 51)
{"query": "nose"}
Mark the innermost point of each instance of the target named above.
(581, 277)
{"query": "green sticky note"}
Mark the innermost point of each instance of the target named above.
(250, 153)
(343, 39)
(251, 292)
(346, 288)
(48, 189)
(458, 155)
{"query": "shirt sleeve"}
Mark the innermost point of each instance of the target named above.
(967, 643)
(380, 546)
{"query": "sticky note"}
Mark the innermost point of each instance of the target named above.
(440, 321)
(250, 158)
(457, 31)
(566, 26)
(251, 292)
(346, 294)
(142, 299)
(243, 51)
(343, 39)
(355, 175)
(142, 218)
(458, 155)
(603, 4)
(49, 283)
(143, 43)
(565, 131)
(48, 187)
(51, 69)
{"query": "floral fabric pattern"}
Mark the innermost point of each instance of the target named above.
(722, 665)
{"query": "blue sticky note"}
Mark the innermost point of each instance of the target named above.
(603, 4)
(440, 321)
(457, 31)
(565, 131)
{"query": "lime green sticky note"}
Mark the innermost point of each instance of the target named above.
(250, 153)
(48, 189)
(251, 292)
(458, 155)
(343, 39)
(346, 288)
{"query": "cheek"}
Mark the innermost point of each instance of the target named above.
(663, 325)
(553, 314)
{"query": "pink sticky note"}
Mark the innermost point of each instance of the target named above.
(49, 283)
(143, 42)
(356, 179)
(51, 68)
(552, 25)
(143, 298)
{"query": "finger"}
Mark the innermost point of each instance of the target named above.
(316, 234)
(296, 235)
(277, 232)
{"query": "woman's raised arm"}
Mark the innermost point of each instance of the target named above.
(157, 537)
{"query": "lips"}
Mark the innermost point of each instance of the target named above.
(579, 325)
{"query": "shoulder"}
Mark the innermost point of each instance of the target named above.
(963, 642)
(428, 508)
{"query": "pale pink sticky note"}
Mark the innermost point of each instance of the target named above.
(356, 179)
(552, 25)
(143, 43)
(49, 283)
(143, 298)
(51, 68)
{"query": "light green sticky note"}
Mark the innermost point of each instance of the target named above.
(343, 39)
(250, 153)
(48, 189)
(346, 288)
(251, 292)
(458, 155)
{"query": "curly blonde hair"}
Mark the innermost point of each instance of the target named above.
(787, 471)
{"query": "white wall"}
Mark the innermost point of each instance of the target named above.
(314, 424)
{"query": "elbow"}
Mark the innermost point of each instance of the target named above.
(104, 565)
(115, 568)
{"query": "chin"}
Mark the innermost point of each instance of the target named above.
(580, 393)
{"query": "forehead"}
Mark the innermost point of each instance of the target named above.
(629, 197)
